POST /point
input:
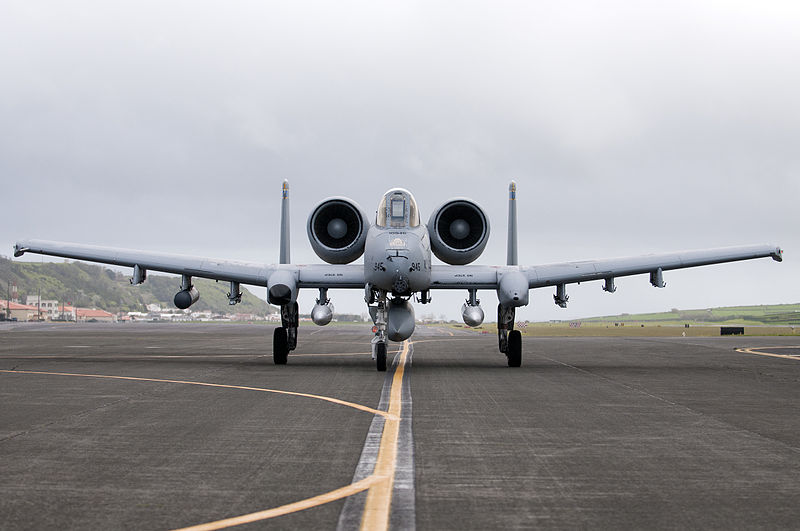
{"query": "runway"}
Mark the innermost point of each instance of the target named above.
(165, 426)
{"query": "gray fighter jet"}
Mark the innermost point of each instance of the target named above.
(397, 266)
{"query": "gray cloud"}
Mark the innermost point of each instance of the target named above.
(629, 128)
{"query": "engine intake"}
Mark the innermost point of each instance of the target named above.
(337, 229)
(459, 231)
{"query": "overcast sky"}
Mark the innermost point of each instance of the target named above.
(630, 127)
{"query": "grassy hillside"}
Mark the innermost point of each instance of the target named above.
(776, 314)
(93, 286)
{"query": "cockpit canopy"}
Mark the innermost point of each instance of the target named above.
(398, 209)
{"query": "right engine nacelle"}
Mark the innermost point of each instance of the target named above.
(337, 229)
(459, 231)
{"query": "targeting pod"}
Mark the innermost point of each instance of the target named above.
(322, 313)
(471, 311)
(471, 315)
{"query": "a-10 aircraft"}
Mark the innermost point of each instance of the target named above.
(397, 266)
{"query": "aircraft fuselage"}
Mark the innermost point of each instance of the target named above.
(398, 260)
(397, 252)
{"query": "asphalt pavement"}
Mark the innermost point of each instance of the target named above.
(163, 426)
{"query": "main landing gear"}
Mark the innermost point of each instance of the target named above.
(284, 338)
(510, 340)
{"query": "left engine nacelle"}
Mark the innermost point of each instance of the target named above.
(459, 231)
(337, 229)
(186, 297)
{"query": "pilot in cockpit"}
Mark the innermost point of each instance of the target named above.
(398, 209)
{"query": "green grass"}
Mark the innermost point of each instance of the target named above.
(763, 320)
(629, 330)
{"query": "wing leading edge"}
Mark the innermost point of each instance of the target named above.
(252, 273)
(571, 272)
(488, 277)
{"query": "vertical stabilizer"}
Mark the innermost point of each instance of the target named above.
(285, 258)
(511, 257)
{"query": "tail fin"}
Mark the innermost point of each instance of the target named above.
(511, 257)
(285, 257)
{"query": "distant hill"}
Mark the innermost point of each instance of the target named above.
(93, 286)
(774, 314)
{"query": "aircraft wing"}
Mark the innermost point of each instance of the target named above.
(487, 277)
(570, 272)
(352, 276)
(252, 273)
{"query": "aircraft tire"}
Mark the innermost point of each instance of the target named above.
(380, 357)
(280, 346)
(514, 348)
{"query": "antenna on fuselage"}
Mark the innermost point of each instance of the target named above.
(285, 257)
(511, 256)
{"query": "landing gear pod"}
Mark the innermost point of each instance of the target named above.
(400, 322)
(282, 287)
(512, 290)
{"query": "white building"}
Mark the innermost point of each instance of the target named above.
(47, 306)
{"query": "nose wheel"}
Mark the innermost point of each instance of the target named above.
(380, 356)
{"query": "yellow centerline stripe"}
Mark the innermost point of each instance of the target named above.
(301, 505)
(386, 415)
(754, 350)
(379, 497)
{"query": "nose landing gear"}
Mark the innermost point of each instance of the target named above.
(379, 316)
(380, 356)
